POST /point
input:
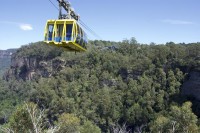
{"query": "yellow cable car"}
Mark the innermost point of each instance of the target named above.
(66, 33)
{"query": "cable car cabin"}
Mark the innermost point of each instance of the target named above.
(66, 33)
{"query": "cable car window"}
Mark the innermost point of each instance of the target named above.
(50, 32)
(74, 32)
(69, 32)
(81, 41)
(84, 40)
(78, 35)
(59, 32)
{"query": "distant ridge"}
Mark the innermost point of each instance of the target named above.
(5, 59)
(7, 53)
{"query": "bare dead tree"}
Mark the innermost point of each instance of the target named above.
(37, 116)
(53, 129)
(173, 128)
(6, 130)
(120, 129)
(139, 129)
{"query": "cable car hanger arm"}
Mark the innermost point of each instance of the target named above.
(70, 11)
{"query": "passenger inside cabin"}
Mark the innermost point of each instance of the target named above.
(50, 36)
(69, 28)
(58, 37)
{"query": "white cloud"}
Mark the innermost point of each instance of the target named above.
(26, 27)
(22, 26)
(178, 22)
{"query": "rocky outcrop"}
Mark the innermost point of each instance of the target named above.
(129, 74)
(28, 68)
(191, 87)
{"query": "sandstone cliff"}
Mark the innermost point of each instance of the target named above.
(31, 62)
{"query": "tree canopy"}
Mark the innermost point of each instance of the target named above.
(132, 84)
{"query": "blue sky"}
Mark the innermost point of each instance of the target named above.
(159, 21)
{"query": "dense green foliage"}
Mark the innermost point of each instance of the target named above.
(132, 83)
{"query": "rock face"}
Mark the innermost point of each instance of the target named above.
(192, 86)
(28, 68)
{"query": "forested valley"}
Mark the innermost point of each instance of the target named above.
(114, 87)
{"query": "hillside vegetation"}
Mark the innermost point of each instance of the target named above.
(113, 86)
